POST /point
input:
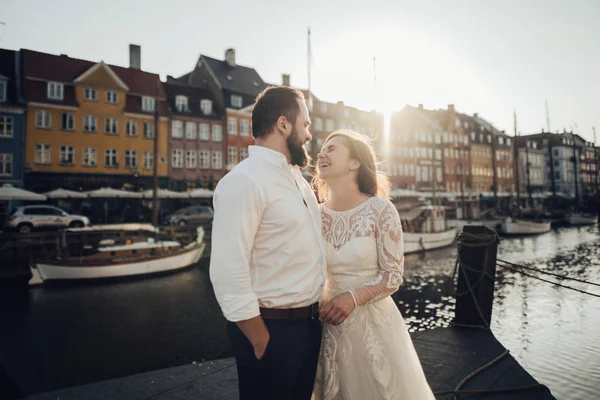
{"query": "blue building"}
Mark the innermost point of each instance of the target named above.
(12, 123)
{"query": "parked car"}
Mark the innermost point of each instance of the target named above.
(27, 218)
(191, 216)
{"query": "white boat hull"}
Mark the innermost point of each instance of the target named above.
(416, 242)
(521, 227)
(578, 220)
(141, 267)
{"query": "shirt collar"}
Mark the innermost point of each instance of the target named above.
(270, 156)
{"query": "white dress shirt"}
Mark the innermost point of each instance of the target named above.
(267, 245)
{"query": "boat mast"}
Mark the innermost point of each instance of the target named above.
(516, 159)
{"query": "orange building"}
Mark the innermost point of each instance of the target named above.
(91, 125)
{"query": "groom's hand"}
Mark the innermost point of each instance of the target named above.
(336, 310)
(257, 333)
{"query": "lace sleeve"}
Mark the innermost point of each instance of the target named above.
(390, 255)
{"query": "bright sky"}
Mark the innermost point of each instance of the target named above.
(486, 56)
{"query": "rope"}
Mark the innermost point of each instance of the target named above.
(550, 282)
(457, 392)
(549, 273)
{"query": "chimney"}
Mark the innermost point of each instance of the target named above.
(135, 56)
(285, 79)
(475, 115)
(421, 106)
(230, 57)
(451, 107)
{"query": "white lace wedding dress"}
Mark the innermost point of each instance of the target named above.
(370, 355)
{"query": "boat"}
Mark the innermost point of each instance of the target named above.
(111, 259)
(513, 226)
(425, 229)
(579, 219)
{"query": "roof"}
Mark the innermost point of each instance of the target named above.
(50, 67)
(194, 94)
(8, 70)
(416, 115)
(40, 67)
(238, 79)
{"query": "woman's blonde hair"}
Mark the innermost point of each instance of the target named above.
(371, 181)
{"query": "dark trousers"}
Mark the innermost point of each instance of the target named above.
(287, 369)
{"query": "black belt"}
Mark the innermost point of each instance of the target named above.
(311, 311)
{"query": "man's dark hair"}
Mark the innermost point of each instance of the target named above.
(272, 103)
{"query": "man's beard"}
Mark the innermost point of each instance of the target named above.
(299, 155)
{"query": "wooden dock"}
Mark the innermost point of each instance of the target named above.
(448, 355)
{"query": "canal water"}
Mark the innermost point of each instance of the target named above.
(59, 336)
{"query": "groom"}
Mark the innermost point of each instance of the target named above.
(268, 262)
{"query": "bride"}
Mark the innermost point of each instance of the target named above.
(366, 352)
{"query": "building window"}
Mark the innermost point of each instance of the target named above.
(232, 158)
(232, 126)
(6, 127)
(206, 107)
(243, 154)
(318, 124)
(67, 155)
(204, 131)
(557, 175)
(190, 130)
(90, 123)
(438, 154)
(130, 159)
(6, 165)
(2, 91)
(149, 130)
(148, 160)
(55, 91)
(148, 104)
(217, 133)
(204, 159)
(236, 101)
(42, 119)
(130, 128)
(177, 158)
(111, 126)
(90, 157)
(217, 161)
(181, 103)
(323, 107)
(111, 158)
(190, 159)
(177, 129)
(42, 154)
(89, 94)
(244, 127)
(329, 125)
(112, 97)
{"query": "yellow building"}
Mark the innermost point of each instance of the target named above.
(92, 125)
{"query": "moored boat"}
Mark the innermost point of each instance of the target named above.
(579, 219)
(119, 260)
(425, 229)
(513, 226)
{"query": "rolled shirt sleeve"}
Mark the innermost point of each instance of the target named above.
(238, 207)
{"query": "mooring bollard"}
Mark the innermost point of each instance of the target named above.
(476, 269)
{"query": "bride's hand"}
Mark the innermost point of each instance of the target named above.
(336, 310)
